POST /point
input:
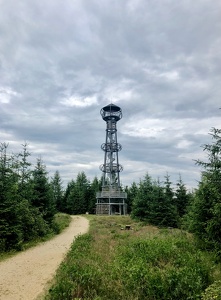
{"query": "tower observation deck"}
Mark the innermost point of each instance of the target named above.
(111, 200)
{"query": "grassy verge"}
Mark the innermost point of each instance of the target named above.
(60, 222)
(141, 263)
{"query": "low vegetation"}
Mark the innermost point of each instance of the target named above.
(144, 262)
(59, 223)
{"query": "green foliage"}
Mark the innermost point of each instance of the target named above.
(170, 268)
(78, 276)
(143, 199)
(204, 213)
(131, 195)
(76, 201)
(42, 192)
(153, 203)
(66, 203)
(213, 291)
(57, 191)
(24, 171)
(80, 195)
(182, 198)
(60, 222)
(93, 188)
(26, 206)
(109, 263)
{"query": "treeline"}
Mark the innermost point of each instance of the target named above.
(80, 195)
(26, 200)
(29, 199)
(198, 212)
(158, 203)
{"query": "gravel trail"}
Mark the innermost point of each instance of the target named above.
(26, 275)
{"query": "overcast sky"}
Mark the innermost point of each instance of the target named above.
(61, 61)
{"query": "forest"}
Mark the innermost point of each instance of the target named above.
(29, 199)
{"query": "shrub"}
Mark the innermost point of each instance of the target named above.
(110, 263)
(159, 268)
(213, 291)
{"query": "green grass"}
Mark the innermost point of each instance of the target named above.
(60, 222)
(145, 262)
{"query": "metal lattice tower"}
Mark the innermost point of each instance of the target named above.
(111, 200)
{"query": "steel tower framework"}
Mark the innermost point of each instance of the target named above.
(111, 200)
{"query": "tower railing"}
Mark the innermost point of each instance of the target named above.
(111, 194)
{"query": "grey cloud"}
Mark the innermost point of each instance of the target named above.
(157, 60)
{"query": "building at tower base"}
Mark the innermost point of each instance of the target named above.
(111, 200)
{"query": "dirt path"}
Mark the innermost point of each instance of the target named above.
(26, 275)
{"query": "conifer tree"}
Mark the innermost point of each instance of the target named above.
(25, 187)
(11, 227)
(204, 213)
(8, 205)
(182, 198)
(170, 211)
(154, 202)
(77, 199)
(156, 209)
(131, 195)
(94, 187)
(142, 202)
(67, 199)
(42, 192)
(57, 190)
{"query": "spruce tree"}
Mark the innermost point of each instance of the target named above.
(142, 203)
(57, 190)
(42, 192)
(77, 199)
(25, 187)
(67, 199)
(11, 235)
(182, 198)
(157, 204)
(204, 213)
(170, 211)
(94, 187)
(131, 195)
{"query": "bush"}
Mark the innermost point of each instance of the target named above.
(60, 222)
(213, 291)
(159, 268)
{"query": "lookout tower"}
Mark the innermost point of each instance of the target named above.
(111, 200)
